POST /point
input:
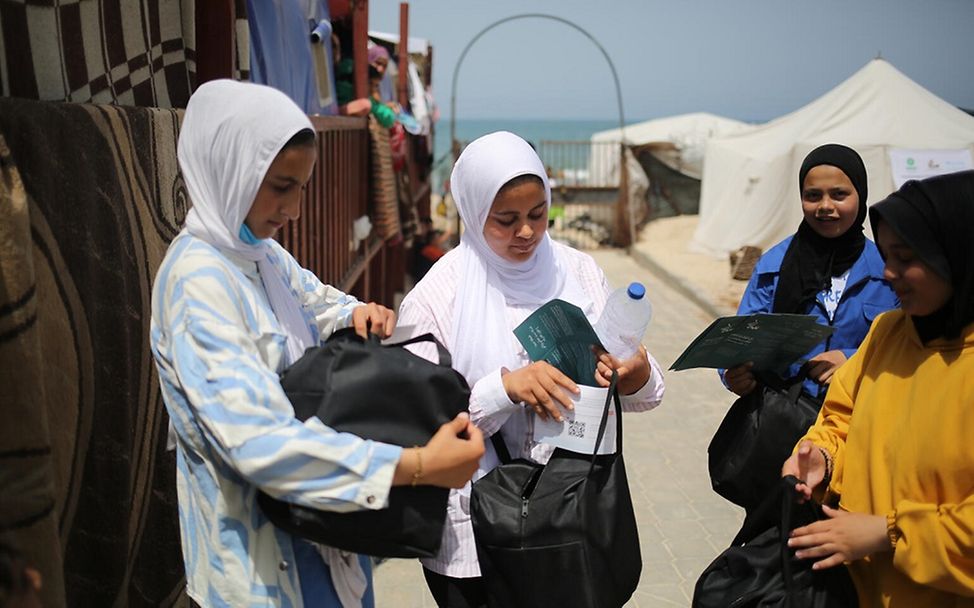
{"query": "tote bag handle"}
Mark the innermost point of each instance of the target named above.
(445, 359)
(788, 500)
(792, 387)
(613, 395)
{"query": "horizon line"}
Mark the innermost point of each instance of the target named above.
(445, 120)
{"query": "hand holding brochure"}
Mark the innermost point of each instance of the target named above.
(772, 341)
(559, 333)
(578, 431)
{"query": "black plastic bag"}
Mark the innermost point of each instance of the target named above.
(760, 570)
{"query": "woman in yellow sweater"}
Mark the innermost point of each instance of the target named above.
(893, 441)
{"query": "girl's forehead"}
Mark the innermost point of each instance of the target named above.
(826, 173)
(521, 196)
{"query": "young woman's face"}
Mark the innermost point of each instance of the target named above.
(278, 200)
(921, 290)
(517, 221)
(829, 201)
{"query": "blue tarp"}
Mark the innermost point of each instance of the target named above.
(281, 51)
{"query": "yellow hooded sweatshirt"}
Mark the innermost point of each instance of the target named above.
(898, 420)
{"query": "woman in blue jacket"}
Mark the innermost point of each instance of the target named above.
(828, 269)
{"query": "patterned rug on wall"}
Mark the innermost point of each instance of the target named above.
(128, 52)
(27, 517)
(103, 198)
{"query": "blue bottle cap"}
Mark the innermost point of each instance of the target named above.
(636, 291)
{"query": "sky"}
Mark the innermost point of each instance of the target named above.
(751, 60)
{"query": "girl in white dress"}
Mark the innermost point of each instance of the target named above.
(505, 267)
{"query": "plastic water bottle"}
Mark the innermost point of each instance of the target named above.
(624, 321)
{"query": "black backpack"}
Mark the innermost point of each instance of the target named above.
(384, 393)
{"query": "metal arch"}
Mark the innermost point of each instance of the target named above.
(456, 68)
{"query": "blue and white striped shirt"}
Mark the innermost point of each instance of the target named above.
(219, 349)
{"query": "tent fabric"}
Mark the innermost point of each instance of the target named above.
(417, 46)
(749, 193)
(685, 134)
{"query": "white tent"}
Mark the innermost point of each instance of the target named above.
(684, 137)
(749, 193)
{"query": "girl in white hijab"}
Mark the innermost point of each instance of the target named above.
(230, 310)
(504, 269)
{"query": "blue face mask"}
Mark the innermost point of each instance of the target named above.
(247, 236)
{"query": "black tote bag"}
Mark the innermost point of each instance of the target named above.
(756, 436)
(562, 534)
(384, 393)
(759, 570)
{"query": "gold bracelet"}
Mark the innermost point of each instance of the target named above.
(829, 466)
(419, 466)
(892, 532)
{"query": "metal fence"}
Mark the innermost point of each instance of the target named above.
(322, 239)
(584, 179)
(585, 202)
(581, 164)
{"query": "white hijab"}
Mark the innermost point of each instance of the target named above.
(231, 133)
(481, 341)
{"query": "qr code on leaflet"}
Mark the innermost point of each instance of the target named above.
(576, 428)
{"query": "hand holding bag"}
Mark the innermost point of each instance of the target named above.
(562, 534)
(760, 570)
(757, 435)
(384, 393)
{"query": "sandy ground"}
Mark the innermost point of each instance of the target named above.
(666, 241)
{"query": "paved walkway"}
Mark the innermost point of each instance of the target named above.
(683, 525)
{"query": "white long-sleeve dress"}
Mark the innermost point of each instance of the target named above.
(429, 307)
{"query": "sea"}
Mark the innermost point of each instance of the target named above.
(533, 130)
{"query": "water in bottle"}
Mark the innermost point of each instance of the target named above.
(623, 322)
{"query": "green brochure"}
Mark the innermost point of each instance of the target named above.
(559, 333)
(772, 341)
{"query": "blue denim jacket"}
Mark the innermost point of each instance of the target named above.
(866, 295)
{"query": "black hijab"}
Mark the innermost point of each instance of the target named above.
(811, 259)
(935, 217)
